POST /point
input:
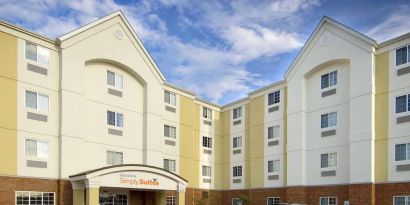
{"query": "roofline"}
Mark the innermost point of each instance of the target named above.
(207, 102)
(235, 102)
(394, 40)
(26, 31)
(336, 23)
(179, 88)
(267, 87)
(124, 165)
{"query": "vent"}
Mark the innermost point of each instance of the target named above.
(273, 143)
(170, 109)
(207, 151)
(237, 151)
(36, 69)
(403, 119)
(403, 71)
(328, 173)
(273, 109)
(206, 181)
(329, 92)
(237, 122)
(273, 177)
(36, 164)
(236, 181)
(170, 142)
(207, 122)
(38, 117)
(114, 92)
(328, 133)
(403, 168)
(114, 132)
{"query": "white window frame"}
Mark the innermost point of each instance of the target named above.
(206, 167)
(208, 113)
(173, 96)
(240, 140)
(274, 199)
(274, 103)
(239, 113)
(406, 199)
(407, 104)
(37, 155)
(170, 127)
(273, 167)
(237, 168)
(328, 126)
(329, 167)
(273, 132)
(116, 119)
(37, 97)
(209, 141)
(42, 196)
(407, 152)
(37, 53)
(170, 160)
(172, 200)
(328, 199)
(329, 80)
(115, 86)
(408, 56)
(115, 153)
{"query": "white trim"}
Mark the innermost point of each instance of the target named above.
(328, 197)
(54, 195)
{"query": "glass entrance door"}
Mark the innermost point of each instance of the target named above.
(113, 199)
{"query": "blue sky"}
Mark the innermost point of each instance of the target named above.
(221, 50)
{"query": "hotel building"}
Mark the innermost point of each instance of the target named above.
(89, 119)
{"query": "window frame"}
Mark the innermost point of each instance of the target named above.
(273, 132)
(275, 101)
(37, 54)
(174, 166)
(236, 172)
(328, 167)
(238, 114)
(115, 153)
(208, 141)
(328, 199)
(407, 56)
(329, 80)
(274, 199)
(208, 113)
(170, 103)
(329, 126)
(37, 141)
(172, 198)
(407, 104)
(407, 152)
(206, 167)
(273, 166)
(37, 100)
(115, 87)
(237, 147)
(406, 199)
(42, 196)
(170, 127)
(116, 115)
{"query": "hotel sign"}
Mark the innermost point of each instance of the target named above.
(138, 180)
(134, 180)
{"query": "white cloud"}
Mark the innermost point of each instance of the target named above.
(396, 24)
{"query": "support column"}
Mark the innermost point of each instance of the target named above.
(180, 198)
(161, 198)
(92, 193)
(78, 193)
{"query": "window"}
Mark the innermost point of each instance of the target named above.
(329, 79)
(169, 165)
(36, 148)
(34, 198)
(273, 132)
(206, 142)
(273, 200)
(206, 171)
(37, 101)
(328, 160)
(170, 200)
(37, 53)
(402, 152)
(114, 199)
(170, 98)
(114, 79)
(236, 201)
(402, 55)
(237, 171)
(402, 200)
(237, 113)
(403, 103)
(328, 201)
(237, 142)
(115, 119)
(273, 166)
(274, 97)
(328, 120)
(170, 131)
(114, 158)
(207, 113)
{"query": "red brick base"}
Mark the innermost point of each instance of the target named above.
(356, 194)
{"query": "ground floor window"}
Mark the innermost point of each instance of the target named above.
(113, 199)
(273, 200)
(328, 201)
(170, 200)
(34, 198)
(402, 200)
(236, 201)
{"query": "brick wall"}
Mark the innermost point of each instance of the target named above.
(386, 192)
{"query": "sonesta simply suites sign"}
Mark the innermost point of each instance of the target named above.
(138, 180)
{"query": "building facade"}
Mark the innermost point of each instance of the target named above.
(89, 119)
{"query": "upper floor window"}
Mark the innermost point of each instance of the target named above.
(114, 79)
(206, 171)
(115, 119)
(114, 158)
(237, 201)
(328, 120)
(36, 148)
(273, 166)
(403, 103)
(170, 98)
(274, 97)
(401, 200)
(328, 201)
(170, 200)
(34, 198)
(237, 113)
(273, 132)
(37, 101)
(329, 79)
(170, 131)
(206, 142)
(37, 53)
(237, 142)
(328, 160)
(169, 165)
(402, 55)
(273, 200)
(237, 171)
(207, 113)
(402, 152)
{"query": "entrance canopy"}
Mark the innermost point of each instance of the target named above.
(131, 176)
